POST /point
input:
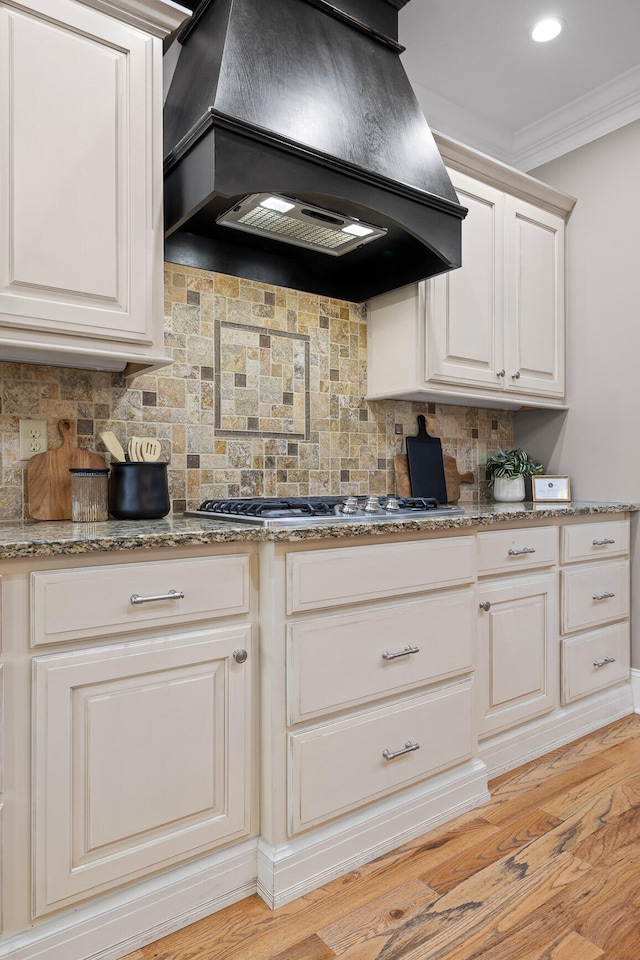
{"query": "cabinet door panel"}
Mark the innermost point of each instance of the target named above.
(141, 757)
(465, 305)
(518, 662)
(76, 231)
(534, 321)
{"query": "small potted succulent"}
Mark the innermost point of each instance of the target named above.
(506, 470)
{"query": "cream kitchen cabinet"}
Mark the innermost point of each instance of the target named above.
(81, 240)
(370, 726)
(595, 607)
(518, 659)
(492, 332)
(133, 692)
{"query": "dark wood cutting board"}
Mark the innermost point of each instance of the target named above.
(49, 480)
(452, 476)
(426, 467)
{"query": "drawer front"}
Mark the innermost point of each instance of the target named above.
(96, 601)
(339, 766)
(326, 578)
(341, 661)
(594, 593)
(510, 551)
(595, 661)
(594, 541)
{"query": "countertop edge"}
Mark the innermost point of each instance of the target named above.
(32, 538)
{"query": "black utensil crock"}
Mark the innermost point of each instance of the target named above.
(139, 490)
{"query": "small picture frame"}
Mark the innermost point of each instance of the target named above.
(550, 488)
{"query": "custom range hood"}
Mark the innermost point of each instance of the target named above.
(297, 154)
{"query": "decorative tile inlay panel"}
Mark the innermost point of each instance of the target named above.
(262, 382)
(265, 397)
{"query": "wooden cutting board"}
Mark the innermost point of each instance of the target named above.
(49, 480)
(451, 474)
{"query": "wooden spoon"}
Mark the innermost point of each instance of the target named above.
(149, 448)
(113, 445)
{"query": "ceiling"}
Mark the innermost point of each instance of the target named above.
(481, 79)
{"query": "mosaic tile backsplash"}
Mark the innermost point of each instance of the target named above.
(264, 397)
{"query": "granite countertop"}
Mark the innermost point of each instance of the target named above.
(33, 538)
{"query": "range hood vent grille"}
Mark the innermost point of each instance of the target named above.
(299, 224)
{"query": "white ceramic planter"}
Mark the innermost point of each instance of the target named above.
(508, 489)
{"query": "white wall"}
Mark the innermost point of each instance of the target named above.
(597, 441)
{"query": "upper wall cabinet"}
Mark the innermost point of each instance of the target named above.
(492, 332)
(81, 248)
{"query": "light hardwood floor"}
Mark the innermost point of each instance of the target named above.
(549, 869)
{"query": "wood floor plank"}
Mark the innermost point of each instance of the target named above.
(478, 856)
(379, 917)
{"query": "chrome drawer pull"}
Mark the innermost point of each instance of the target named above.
(518, 553)
(408, 747)
(603, 596)
(172, 595)
(602, 663)
(601, 543)
(403, 653)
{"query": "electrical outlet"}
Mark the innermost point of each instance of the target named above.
(33, 438)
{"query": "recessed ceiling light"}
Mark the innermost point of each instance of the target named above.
(546, 29)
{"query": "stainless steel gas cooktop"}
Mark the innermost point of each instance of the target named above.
(275, 512)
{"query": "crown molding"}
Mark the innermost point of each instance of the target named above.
(603, 110)
(157, 17)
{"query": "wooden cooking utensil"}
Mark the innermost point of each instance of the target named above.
(149, 448)
(132, 449)
(49, 480)
(113, 445)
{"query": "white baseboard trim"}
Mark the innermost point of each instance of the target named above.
(307, 862)
(122, 922)
(529, 741)
(635, 689)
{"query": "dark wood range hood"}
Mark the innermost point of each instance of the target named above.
(308, 100)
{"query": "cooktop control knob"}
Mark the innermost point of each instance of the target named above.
(391, 504)
(372, 505)
(350, 505)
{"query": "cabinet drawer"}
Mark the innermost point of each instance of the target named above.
(326, 578)
(339, 661)
(339, 766)
(594, 593)
(510, 551)
(594, 541)
(595, 661)
(96, 601)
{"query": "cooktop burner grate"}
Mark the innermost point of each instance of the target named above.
(283, 511)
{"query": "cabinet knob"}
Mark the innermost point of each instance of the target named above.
(485, 605)
(501, 373)
(516, 375)
(240, 656)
